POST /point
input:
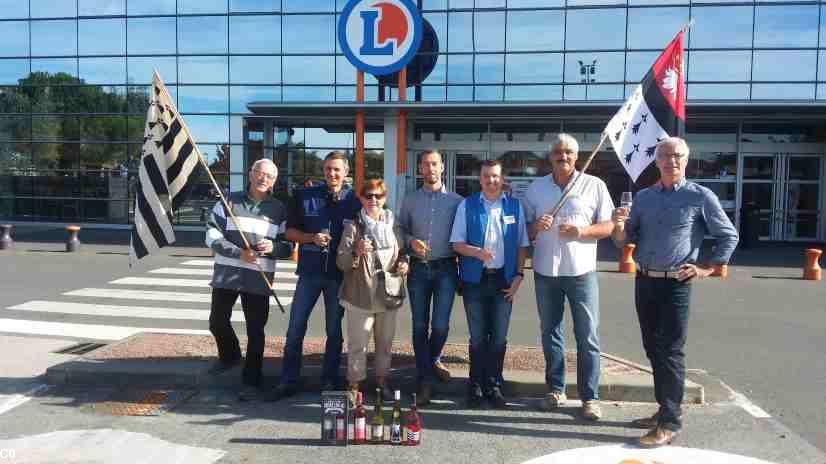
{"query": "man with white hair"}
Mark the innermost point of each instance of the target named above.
(668, 222)
(564, 264)
(262, 219)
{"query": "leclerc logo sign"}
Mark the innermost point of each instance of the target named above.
(380, 36)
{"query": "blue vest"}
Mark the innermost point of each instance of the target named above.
(476, 218)
(319, 212)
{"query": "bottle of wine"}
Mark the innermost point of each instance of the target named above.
(360, 420)
(377, 423)
(396, 422)
(413, 425)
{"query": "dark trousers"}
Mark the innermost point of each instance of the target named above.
(256, 312)
(662, 309)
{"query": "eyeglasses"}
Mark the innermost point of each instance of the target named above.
(676, 156)
(263, 174)
(373, 196)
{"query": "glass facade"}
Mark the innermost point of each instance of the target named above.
(74, 76)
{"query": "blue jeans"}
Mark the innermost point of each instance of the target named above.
(662, 309)
(307, 291)
(582, 293)
(488, 317)
(437, 282)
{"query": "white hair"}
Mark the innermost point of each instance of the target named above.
(266, 161)
(565, 139)
(668, 141)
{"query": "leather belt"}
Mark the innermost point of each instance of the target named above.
(491, 271)
(657, 274)
(432, 262)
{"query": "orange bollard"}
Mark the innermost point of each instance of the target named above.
(294, 256)
(720, 270)
(627, 264)
(812, 271)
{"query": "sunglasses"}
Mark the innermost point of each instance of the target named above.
(373, 196)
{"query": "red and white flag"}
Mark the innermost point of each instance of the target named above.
(653, 112)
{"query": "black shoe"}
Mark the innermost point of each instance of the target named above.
(496, 398)
(282, 391)
(249, 393)
(475, 398)
(219, 366)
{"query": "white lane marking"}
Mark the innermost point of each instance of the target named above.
(13, 401)
(143, 312)
(161, 282)
(153, 295)
(208, 272)
(91, 331)
(280, 264)
(740, 399)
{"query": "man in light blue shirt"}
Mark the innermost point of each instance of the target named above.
(668, 222)
(490, 236)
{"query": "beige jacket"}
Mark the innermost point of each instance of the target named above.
(360, 283)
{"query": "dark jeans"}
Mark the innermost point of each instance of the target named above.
(434, 282)
(488, 317)
(662, 309)
(256, 312)
(307, 291)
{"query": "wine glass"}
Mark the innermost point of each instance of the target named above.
(626, 200)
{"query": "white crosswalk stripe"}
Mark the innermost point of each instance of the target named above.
(144, 312)
(161, 282)
(208, 272)
(91, 331)
(208, 262)
(153, 295)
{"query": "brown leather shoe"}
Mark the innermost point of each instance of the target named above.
(657, 437)
(441, 371)
(647, 422)
(424, 394)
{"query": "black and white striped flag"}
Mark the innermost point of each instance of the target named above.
(169, 159)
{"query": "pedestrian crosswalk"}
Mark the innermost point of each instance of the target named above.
(131, 305)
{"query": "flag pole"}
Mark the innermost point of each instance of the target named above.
(227, 207)
(572, 183)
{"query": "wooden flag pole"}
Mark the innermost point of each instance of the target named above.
(227, 207)
(572, 183)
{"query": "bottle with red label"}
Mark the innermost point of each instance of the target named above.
(413, 426)
(360, 420)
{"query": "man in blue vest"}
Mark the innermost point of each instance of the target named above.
(490, 236)
(315, 221)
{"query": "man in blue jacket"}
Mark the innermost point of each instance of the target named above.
(490, 236)
(315, 221)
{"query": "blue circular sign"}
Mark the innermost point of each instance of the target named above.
(380, 36)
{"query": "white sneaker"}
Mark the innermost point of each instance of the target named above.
(591, 410)
(553, 400)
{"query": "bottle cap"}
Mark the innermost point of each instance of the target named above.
(397, 395)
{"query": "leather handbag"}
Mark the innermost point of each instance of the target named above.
(391, 289)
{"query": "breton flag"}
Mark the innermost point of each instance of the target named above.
(168, 160)
(653, 112)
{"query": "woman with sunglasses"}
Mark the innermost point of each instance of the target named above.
(369, 247)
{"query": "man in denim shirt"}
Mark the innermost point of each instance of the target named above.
(667, 222)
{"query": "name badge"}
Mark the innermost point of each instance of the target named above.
(509, 220)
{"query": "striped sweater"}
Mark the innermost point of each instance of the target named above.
(258, 220)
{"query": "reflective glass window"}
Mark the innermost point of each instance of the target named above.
(13, 9)
(460, 32)
(595, 2)
(308, 69)
(203, 99)
(53, 8)
(534, 3)
(489, 68)
(14, 128)
(460, 69)
(717, 91)
(490, 3)
(141, 69)
(54, 38)
(307, 94)
(12, 70)
(202, 69)
(439, 73)
(784, 65)
(535, 30)
(593, 92)
(202, 6)
(719, 65)
(821, 66)
(460, 93)
(434, 93)
(786, 26)
(309, 33)
(255, 34)
(489, 31)
(55, 128)
(106, 71)
(488, 93)
(101, 36)
(322, 137)
(533, 92)
(658, 2)
(255, 69)
(637, 64)
(668, 21)
(151, 7)
(348, 93)
(56, 156)
(721, 26)
(103, 128)
(434, 4)
(15, 36)
(594, 67)
(439, 23)
(454, 4)
(582, 23)
(239, 6)
(202, 34)
(55, 66)
(821, 92)
(346, 73)
(101, 7)
(240, 96)
(783, 91)
(305, 6)
(711, 165)
(208, 128)
(534, 68)
(146, 36)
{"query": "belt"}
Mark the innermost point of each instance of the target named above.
(657, 274)
(490, 271)
(431, 262)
